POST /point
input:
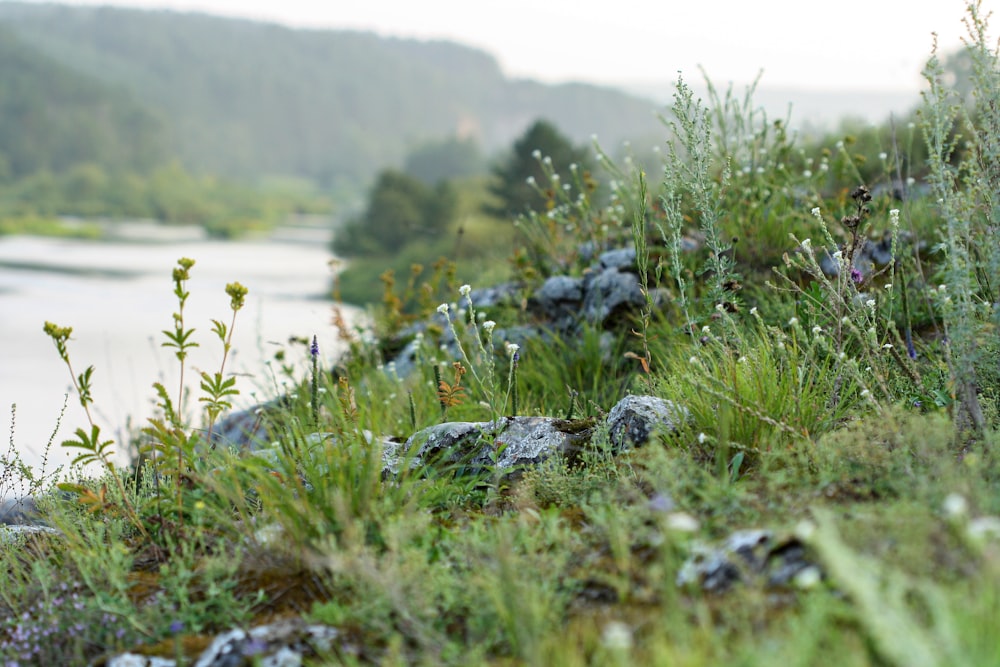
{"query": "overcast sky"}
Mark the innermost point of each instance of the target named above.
(878, 45)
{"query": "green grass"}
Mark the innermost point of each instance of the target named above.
(827, 408)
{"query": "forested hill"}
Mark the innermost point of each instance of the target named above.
(52, 118)
(247, 100)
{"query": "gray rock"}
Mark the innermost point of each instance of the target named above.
(281, 644)
(18, 511)
(497, 295)
(622, 259)
(744, 556)
(611, 293)
(9, 533)
(506, 445)
(557, 302)
(634, 418)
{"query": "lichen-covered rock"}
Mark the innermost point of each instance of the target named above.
(18, 511)
(634, 418)
(505, 445)
(281, 644)
(743, 556)
(610, 294)
(622, 259)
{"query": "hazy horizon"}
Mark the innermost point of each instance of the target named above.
(855, 45)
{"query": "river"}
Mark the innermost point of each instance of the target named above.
(118, 297)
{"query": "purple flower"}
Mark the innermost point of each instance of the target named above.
(314, 348)
(176, 626)
(857, 276)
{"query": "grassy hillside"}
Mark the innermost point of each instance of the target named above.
(245, 99)
(54, 117)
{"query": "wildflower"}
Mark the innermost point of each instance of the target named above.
(870, 303)
(807, 173)
(910, 181)
(816, 212)
(806, 244)
(865, 393)
(817, 330)
(888, 286)
(702, 438)
(537, 154)
(741, 360)
(530, 180)
(692, 360)
(443, 309)
(894, 217)
(706, 329)
(488, 326)
(857, 276)
(465, 290)
(572, 166)
(512, 348)
(682, 522)
(807, 578)
(616, 636)
(887, 346)
(955, 506)
(792, 322)
(314, 348)
(883, 156)
(753, 311)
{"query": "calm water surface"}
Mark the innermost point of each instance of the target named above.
(118, 297)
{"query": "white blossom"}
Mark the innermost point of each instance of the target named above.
(489, 325)
(465, 290)
(443, 309)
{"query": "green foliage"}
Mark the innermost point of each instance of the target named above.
(445, 160)
(55, 119)
(822, 405)
(966, 191)
(400, 210)
(249, 100)
(518, 178)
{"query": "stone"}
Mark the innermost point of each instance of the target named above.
(557, 302)
(474, 446)
(622, 259)
(18, 511)
(744, 556)
(11, 532)
(633, 419)
(281, 644)
(610, 294)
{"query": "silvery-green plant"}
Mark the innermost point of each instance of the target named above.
(689, 181)
(963, 139)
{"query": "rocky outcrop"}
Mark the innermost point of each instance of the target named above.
(507, 446)
(748, 556)
(283, 644)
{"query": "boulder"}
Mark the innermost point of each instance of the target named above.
(745, 556)
(505, 445)
(285, 643)
(634, 418)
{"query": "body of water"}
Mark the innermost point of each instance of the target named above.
(118, 297)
